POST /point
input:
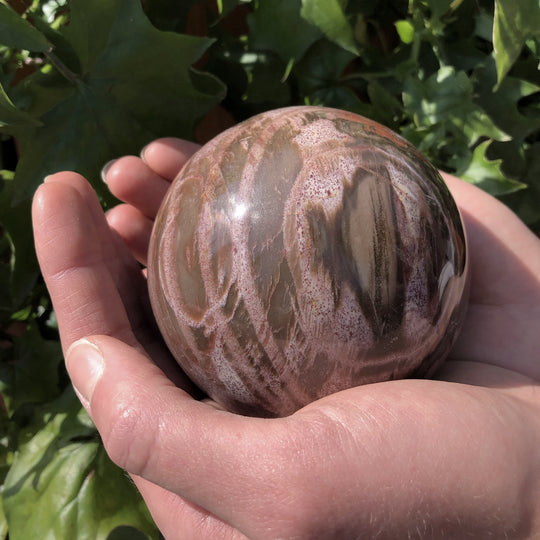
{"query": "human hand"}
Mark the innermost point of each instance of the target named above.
(450, 457)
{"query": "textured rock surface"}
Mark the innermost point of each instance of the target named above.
(302, 252)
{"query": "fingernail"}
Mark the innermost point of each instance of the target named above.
(105, 169)
(143, 151)
(85, 365)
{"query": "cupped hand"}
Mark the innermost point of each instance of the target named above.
(452, 457)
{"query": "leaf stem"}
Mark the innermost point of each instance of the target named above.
(61, 67)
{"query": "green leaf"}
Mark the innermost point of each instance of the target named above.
(515, 22)
(32, 374)
(387, 108)
(124, 532)
(320, 78)
(322, 67)
(503, 103)
(17, 33)
(135, 84)
(276, 25)
(486, 173)
(439, 8)
(266, 85)
(21, 267)
(447, 97)
(63, 485)
(5, 462)
(527, 202)
(405, 29)
(226, 6)
(11, 115)
(169, 15)
(328, 15)
(3, 523)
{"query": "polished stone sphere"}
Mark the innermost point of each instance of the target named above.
(302, 252)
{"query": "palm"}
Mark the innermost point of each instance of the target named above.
(412, 435)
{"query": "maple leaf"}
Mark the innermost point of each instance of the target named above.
(118, 84)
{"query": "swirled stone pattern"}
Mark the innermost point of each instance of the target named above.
(305, 251)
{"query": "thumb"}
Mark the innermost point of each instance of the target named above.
(137, 409)
(157, 431)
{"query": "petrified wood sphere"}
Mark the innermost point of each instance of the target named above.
(302, 252)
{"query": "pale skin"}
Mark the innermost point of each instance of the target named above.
(447, 458)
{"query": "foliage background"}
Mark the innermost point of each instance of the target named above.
(82, 82)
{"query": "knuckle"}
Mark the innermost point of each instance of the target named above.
(129, 436)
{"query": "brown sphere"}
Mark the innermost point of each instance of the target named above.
(305, 251)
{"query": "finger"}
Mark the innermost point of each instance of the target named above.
(134, 182)
(70, 245)
(95, 284)
(133, 227)
(502, 247)
(501, 324)
(167, 156)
